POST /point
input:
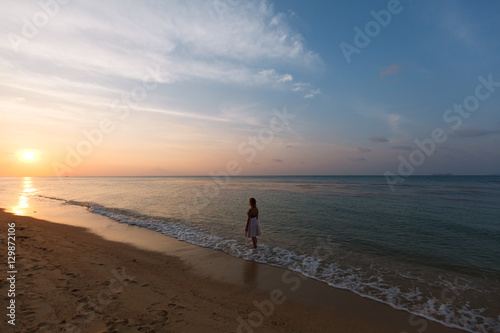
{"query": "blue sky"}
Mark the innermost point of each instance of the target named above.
(183, 86)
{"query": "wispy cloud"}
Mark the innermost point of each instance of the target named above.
(454, 20)
(305, 87)
(253, 44)
(384, 113)
(91, 54)
(285, 78)
(391, 70)
(394, 120)
(378, 139)
(364, 150)
(181, 114)
(406, 148)
(312, 93)
(472, 133)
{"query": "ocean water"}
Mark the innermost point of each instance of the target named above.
(431, 247)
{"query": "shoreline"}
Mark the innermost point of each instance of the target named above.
(76, 281)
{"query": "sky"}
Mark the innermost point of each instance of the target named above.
(172, 88)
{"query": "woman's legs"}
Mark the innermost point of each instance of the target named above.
(254, 240)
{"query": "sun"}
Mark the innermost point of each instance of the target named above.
(28, 155)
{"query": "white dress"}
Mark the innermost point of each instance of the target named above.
(253, 227)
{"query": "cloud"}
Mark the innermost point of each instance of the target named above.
(364, 150)
(285, 78)
(455, 20)
(176, 113)
(360, 159)
(406, 148)
(472, 133)
(277, 160)
(391, 70)
(300, 86)
(305, 87)
(382, 112)
(253, 44)
(312, 93)
(378, 139)
(394, 120)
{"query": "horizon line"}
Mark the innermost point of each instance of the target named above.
(295, 175)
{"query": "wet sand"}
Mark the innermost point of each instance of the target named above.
(71, 280)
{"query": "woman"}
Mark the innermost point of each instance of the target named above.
(252, 229)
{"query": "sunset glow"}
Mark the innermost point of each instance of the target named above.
(283, 87)
(29, 155)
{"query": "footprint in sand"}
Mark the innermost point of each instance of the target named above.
(178, 309)
(180, 321)
(162, 318)
(176, 306)
(46, 327)
(152, 305)
(159, 317)
(65, 288)
(37, 268)
(116, 324)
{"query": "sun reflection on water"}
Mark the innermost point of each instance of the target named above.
(25, 195)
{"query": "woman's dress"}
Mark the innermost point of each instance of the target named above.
(253, 227)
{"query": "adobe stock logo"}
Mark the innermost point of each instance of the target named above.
(454, 117)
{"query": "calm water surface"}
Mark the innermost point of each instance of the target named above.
(431, 247)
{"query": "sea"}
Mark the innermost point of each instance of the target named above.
(430, 246)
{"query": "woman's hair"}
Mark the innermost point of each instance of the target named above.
(253, 202)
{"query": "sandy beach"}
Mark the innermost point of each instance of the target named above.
(70, 280)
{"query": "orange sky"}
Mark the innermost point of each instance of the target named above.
(148, 88)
